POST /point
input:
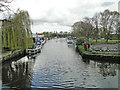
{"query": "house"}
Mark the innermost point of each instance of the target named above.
(40, 35)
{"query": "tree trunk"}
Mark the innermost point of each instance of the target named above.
(107, 41)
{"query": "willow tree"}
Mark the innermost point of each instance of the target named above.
(17, 31)
(6, 34)
(23, 30)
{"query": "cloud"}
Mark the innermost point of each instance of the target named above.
(50, 27)
(61, 14)
(106, 4)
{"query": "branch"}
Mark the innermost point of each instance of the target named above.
(6, 1)
(6, 7)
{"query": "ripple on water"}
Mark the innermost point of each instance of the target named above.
(57, 86)
(63, 68)
(91, 86)
(69, 82)
(63, 86)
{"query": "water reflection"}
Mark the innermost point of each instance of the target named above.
(108, 69)
(105, 68)
(59, 66)
(86, 61)
(18, 73)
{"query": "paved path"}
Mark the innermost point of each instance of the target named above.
(106, 48)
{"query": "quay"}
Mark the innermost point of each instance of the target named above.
(100, 55)
(11, 55)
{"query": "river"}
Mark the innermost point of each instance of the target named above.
(59, 66)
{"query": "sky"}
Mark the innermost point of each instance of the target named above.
(60, 15)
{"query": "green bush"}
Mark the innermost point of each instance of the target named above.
(4, 51)
(80, 41)
(81, 48)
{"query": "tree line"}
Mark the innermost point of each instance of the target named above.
(56, 34)
(101, 25)
(16, 31)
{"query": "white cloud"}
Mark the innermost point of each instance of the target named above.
(61, 14)
(50, 27)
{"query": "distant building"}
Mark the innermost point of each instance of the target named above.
(40, 34)
(36, 35)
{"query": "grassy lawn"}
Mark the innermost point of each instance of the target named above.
(85, 52)
(104, 41)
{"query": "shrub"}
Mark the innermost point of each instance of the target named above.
(80, 41)
(81, 48)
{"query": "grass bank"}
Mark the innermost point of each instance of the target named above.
(97, 56)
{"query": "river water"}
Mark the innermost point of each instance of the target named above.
(59, 66)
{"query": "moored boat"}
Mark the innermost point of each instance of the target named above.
(69, 40)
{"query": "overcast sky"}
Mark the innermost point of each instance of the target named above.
(59, 15)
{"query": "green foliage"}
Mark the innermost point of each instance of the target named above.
(80, 41)
(3, 51)
(81, 48)
(16, 32)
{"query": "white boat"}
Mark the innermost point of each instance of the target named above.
(69, 41)
(33, 51)
(43, 42)
(37, 49)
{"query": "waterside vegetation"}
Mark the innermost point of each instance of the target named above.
(16, 32)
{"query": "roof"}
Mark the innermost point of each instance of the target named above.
(40, 34)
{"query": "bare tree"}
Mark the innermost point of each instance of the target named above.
(4, 5)
(95, 23)
(108, 21)
(88, 28)
(83, 28)
(102, 24)
(116, 21)
(106, 24)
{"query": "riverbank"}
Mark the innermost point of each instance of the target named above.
(11, 55)
(101, 56)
